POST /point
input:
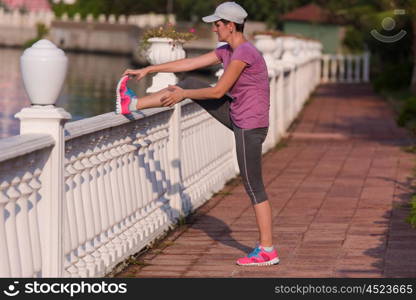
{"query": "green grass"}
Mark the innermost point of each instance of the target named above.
(403, 102)
(133, 261)
(281, 145)
(396, 98)
(223, 193)
(409, 149)
(165, 244)
(411, 219)
(182, 221)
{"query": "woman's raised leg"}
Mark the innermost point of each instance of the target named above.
(151, 100)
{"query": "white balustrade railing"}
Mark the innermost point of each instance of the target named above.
(294, 68)
(205, 161)
(345, 68)
(118, 185)
(125, 181)
(22, 161)
(29, 19)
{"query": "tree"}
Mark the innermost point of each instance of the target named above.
(392, 61)
(193, 10)
(108, 7)
(269, 11)
(410, 6)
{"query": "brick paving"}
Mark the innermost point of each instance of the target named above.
(338, 185)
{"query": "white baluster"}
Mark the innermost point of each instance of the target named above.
(341, 69)
(280, 103)
(102, 18)
(118, 238)
(77, 17)
(122, 19)
(366, 67)
(129, 150)
(101, 196)
(333, 68)
(74, 238)
(325, 68)
(142, 170)
(273, 111)
(80, 217)
(130, 231)
(154, 160)
(22, 224)
(5, 261)
(33, 220)
(120, 204)
(65, 17)
(69, 270)
(92, 190)
(112, 19)
(139, 193)
(349, 68)
(11, 230)
(357, 66)
(83, 167)
(90, 18)
(113, 245)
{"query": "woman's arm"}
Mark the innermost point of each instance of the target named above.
(225, 83)
(181, 65)
(187, 64)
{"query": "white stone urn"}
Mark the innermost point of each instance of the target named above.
(266, 45)
(43, 68)
(297, 48)
(289, 45)
(301, 51)
(306, 49)
(163, 50)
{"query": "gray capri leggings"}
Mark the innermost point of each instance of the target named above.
(248, 141)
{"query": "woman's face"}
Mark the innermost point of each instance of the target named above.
(222, 30)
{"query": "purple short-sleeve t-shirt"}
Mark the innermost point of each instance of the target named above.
(251, 93)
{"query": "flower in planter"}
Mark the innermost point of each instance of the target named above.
(167, 31)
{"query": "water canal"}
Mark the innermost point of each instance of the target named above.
(89, 88)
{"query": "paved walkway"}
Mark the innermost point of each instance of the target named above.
(338, 190)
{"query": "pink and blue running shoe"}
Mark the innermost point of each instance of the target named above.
(125, 97)
(259, 257)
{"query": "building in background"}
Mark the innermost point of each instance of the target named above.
(315, 22)
(29, 5)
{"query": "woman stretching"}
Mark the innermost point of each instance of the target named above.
(240, 101)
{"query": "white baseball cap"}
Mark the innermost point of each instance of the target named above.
(229, 11)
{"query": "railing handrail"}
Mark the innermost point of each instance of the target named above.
(19, 145)
(104, 121)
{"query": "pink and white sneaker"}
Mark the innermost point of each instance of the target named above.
(125, 96)
(259, 257)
